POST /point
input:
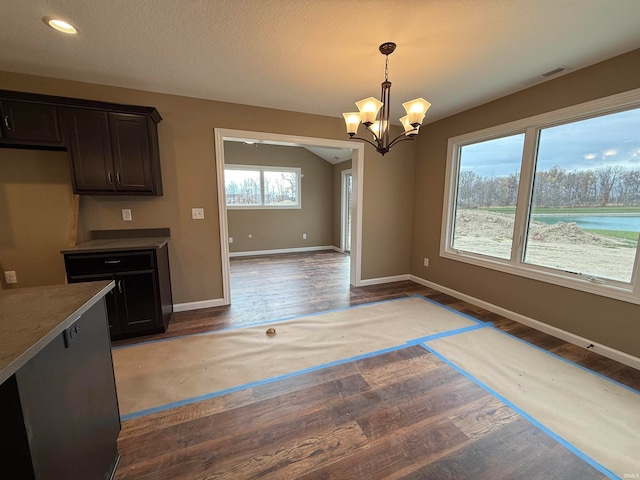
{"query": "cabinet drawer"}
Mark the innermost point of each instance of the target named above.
(84, 264)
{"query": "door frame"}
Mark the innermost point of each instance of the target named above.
(357, 157)
(344, 207)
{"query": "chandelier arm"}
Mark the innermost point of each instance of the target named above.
(375, 137)
(399, 139)
(369, 142)
(372, 132)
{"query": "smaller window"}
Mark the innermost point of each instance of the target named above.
(250, 186)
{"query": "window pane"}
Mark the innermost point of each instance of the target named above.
(280, 188)
(585, 211)
(487, 192)
(242, 187)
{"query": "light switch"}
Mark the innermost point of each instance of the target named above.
(10, 277)
(197, 213)
(126, 214)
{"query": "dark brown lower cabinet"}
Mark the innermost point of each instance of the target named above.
(60, 416)
(141, 302)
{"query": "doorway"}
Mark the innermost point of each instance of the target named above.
(355, 216)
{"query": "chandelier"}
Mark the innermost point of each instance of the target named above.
(369, 108)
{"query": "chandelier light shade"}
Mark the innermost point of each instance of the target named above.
(369, 108)
(378, 126)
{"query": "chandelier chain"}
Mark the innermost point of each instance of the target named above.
(386, 69)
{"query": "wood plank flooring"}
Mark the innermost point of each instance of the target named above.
(404, 414)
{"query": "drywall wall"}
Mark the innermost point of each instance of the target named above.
(603, 320)
(186, 137)
(271, 229)
(35, 215)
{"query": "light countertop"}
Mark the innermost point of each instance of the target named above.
(31, 317)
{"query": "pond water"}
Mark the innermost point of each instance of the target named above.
(625, 222)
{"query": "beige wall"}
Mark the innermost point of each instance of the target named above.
(35, 215)
(337, 200)
(189, 179)
(609, 322)
(399, 227)
(272, 229)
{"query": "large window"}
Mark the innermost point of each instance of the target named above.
(555, 197)
(262, 187)
(487, 183)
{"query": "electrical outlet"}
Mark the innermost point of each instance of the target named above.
(197, 213)
(10, 277)
(230, 239)
(426, 262)
(304, 236)
(126, 214)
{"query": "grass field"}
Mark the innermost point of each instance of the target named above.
(568, 210)
(631, 236)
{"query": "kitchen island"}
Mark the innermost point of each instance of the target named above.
(59, 413)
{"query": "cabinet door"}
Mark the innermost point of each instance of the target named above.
(29, 123)
(86, 133)
(111, 298)
(138, 301)
(131, 152)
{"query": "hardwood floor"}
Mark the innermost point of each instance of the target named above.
(404, 414)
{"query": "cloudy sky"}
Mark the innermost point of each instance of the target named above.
(589, 144)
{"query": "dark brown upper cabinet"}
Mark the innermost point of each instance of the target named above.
(113, 148)
(29, 124)
(112, 153)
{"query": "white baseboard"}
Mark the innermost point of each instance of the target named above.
(283, 250)
(603, 350)
(183, 307)
(379, 280)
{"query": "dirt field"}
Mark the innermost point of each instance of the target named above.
(562, 245)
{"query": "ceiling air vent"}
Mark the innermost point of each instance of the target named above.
(554, 71)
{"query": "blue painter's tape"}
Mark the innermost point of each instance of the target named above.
(475, 320)
(257, 383)
(611, 380)
(409, 343)
(524, 414)
(448, 333)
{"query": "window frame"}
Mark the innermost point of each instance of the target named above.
(262, 169)
(629, 292)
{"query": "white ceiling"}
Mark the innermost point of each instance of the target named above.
(317, 56)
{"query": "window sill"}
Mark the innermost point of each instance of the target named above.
(576, 282)
(263, 207)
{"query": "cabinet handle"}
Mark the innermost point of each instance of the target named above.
(109, 178)
(6, 122)
(118, 178)
(120, 286)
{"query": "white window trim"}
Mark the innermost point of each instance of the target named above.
(529, 126)
(262, 169)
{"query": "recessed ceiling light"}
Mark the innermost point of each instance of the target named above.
(60, 25)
